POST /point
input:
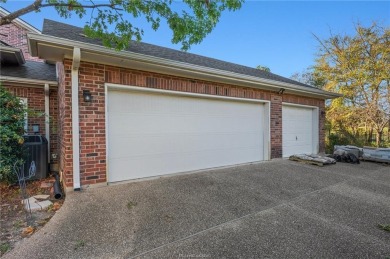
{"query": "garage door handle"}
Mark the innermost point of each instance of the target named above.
(296, 138)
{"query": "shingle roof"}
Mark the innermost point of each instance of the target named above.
(31, 70)
(74, 33)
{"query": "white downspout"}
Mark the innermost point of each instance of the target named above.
(47, 118)
(75, 118)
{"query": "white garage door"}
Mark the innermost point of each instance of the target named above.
(152, 134)
(299, 130)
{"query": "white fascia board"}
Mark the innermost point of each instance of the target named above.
(20, 22)
(172, 64)
(9, 49)
(27, 80)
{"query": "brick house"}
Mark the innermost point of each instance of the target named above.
(31, 79)
(151, 111)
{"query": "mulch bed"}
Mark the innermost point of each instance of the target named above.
(13, 216)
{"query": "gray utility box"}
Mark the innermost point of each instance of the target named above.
(36, 149)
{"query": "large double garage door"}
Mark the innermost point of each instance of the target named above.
(151, 133)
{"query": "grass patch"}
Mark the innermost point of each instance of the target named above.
(4, 248)
(384, 227)
(50, 208)
(79, 244)
(18, 224)
(168, 218)
(131, 204)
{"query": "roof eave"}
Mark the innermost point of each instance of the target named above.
(27, 81)
(14, 55)
(58, 48)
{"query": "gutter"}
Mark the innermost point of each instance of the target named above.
(26, 80)
(94, 49)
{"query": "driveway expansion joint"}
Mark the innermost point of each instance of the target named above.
(276, 209)
(283, 202)
(331, 222)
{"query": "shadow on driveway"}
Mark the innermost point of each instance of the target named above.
(272, 209)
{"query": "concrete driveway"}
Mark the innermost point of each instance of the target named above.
(277, 209)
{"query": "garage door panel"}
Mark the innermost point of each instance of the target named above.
(153, 103)
(159, 144)
(160, 164)
(297, 130)
(168, 123)
(154, 134)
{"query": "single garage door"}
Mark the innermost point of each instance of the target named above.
(152, 134)
(299, 130)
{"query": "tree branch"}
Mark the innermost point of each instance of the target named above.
(112, 6)
(327, 50)
(32, 7)
(37, 4)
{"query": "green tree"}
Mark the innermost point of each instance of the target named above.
(111, 20)
(11, 130)
(264, 68)
(308, 77)
(358, 67)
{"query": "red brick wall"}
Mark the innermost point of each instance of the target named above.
(16, 36)
(65, 123)
(36, 104)
(92, 125)
(276, 126)
(53, 111)
(92, 115)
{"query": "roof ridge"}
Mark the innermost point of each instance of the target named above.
(67, 24)
(201, 56)
(171, 49)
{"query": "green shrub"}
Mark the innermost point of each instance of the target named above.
(340, 139)
(11, 134)
(334, 139)
(385, 143)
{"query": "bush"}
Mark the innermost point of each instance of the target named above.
(11, 134)
(385, 144)
(340, 139)
(334, 139)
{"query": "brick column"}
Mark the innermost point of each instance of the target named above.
(321, 126)
(276, 126)
(65, 122)
(92, 124)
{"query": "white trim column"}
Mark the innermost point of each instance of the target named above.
(75, 119)
(47, 119)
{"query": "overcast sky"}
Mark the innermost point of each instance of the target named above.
(277, 34)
